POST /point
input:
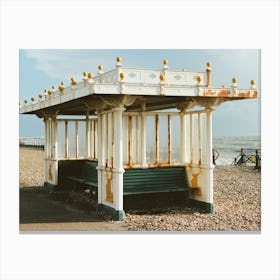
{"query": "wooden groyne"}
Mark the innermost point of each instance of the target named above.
(248, 156)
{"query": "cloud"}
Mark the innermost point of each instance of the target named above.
(61, 64)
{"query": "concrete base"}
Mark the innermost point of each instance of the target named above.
(208, 207)
(117, 215)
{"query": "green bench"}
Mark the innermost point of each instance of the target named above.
(78, 174)
(154, 180)
(82, 175)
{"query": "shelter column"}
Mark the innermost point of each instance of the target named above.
(143, 141)
(88, 142)
(46, 148)
(209, 163)
(51, 163)
(99, 156)
(118, 167)
(183, 136)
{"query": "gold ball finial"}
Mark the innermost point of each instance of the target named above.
(252, 82)
(73, 81)
(62, 83)
(45, 91)
(161, 77)
(53, 87)
(25, 101)
(165, 61)
(198, 78)
(208, 64)
(122, 76)
(118, 59)
(49, 92)
(234, 80)
(40, 95)
(90, 75)
(32, 99)
(19, 103)
(100, 67)
(85, 74)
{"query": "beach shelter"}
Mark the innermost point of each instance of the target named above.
(132, 132)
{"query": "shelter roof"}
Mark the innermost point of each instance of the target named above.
(138, 89)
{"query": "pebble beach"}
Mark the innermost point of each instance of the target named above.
(237, 199)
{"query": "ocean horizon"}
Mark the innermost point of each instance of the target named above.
(227, 147)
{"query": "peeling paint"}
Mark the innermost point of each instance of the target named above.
(196, 190)
(194, 180)
(223, 93)
(109, 193)
(50, 172)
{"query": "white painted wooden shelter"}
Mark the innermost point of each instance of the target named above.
(121, 120)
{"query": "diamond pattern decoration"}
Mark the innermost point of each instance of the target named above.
(178, 77)
(152, 76)
(132, 75)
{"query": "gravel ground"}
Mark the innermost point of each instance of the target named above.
(237, 198)
(31, 167)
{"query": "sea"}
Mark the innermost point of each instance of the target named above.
(227, 148)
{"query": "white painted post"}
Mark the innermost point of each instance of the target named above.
(191, 138)
(209, 137)
(95, 131)
(87, 137)
(199, 137)
(209, 163)
(54, 152)
(143, 141)
(183, 137)
(77, 138)
(109, 140)
(46, 148)
(103, 155)
(66, 140)
(118, 169)
(100, 159)
(51, 161)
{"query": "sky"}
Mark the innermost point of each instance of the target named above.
(40, 69)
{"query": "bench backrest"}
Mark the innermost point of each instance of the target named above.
(154, 179)
(89, 171)
(77, 168)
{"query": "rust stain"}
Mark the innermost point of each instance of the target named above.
(209, 92)
(223, 93)
(109, 193)
(196, 190)
(244, 94)
(194, 180)
(50, 172)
